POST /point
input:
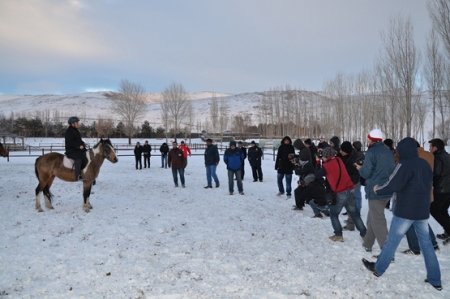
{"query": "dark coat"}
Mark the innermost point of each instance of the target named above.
(147, 148)
(299, 145)
(316, 191)
(138, 149)
(254, 156)
(176, 158)
(349, 162)
(211, 155)
(164, 149)
(282, 163)
(441, 171)
(412, 179)
(313, 150)
(379, 163)
(73, 142)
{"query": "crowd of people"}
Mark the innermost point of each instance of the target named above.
(410, 181)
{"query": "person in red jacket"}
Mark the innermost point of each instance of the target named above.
(339, 183)
(186, 151)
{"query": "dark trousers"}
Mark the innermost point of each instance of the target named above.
(439, 210)
(242, 170)
(138, 161)
(257, 173)
(299, 197)
(146, 161)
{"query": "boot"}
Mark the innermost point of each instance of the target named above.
(350, 226)
(77, 165)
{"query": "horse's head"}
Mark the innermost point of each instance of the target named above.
(3, 151)
(106, 149)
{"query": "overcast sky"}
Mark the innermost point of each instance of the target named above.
(231, 46)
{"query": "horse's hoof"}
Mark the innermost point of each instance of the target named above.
(87, 210)
(40, 210)
(90, 206)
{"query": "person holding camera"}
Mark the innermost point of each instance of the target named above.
(340, 192)
(303, 168)
(379, 163)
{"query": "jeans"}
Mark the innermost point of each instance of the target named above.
(413, 242)
(358, 196)
(317, 209)
(211, 173)
(175, 178)
(346, 199)
(164, 160)
(280, 177)
(399, 227)
(231, 175)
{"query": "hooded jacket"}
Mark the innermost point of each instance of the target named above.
(379, 163)
(282, 163)
(412, 179)
(337, 143)
(233, 158)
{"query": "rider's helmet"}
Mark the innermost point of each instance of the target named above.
(73, 119)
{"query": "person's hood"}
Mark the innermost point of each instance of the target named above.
(298, 144)
(232, 143)
(288, 138)
(335, 140)
(357, 145)
(407, 148)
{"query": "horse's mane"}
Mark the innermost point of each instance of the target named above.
(103, 141)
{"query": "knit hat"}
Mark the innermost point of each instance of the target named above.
(328, 152)
(253, 142)
(308, 141)
(375, 134)
(346, 147)
(357, 145)
(232, 143)
(303, 156)
(298, 144)
(209, 140)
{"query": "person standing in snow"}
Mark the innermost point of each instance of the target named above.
(284, 166)
(212, 159)
(412, 180)
(138, 154)
(233, 158)
(244, 151)
(147, 150)
(254, 158)
(186, 152)
(379, 163)
(176, 162)
(164, 150)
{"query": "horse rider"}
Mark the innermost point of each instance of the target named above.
(75, 147)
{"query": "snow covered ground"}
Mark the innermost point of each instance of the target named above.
(146, 239)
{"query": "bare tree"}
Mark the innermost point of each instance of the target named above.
(439, 11)
(403, 57)
(129, 103)
(175, 105)
(214, 112)
(104, 127)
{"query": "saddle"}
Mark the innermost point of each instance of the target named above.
(68, 163)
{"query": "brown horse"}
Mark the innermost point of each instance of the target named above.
(3, 151)
(50, 165)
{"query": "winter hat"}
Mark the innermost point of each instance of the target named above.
(328, 152)
(232, 143)
(182, 142)
(389, 143)
(308, 141)
(239, 142)
(298, 144)
(357, 145)
(335, 140)
(375, 135)
(303, 156)
(346, 147)
(209, 140)
(253, 142)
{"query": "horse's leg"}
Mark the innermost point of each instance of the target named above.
(47, 194)
(39, 189)
(86, 193)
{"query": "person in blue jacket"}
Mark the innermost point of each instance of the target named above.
(233, 158)
(412, 180)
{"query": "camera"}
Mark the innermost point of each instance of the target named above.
(319, 155)
(359, 162)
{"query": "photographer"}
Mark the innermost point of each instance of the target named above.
(340, 187)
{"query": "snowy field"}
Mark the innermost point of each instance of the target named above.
(146, 239)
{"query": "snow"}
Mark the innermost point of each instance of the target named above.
(146, 239)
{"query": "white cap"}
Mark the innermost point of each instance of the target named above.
(375, 134)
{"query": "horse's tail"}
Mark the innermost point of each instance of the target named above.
(35, 168)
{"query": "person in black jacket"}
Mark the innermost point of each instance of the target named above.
(284, 166)
(147, 150)
(75, 146)
(138, 154)
(244, 151)
(349, 157)
(303, 168)
(254, 158)
(164, 150)
(212, 159)
(312, 148)
(441, 187)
